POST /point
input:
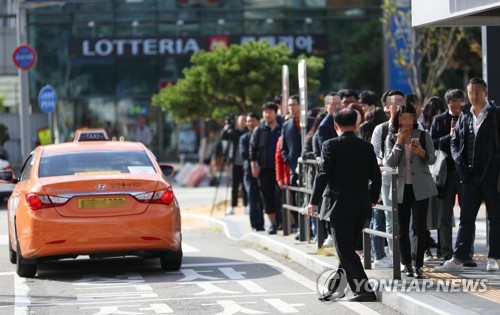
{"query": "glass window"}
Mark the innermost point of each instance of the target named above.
(26, 169)
(135, 4)
(136, 77)
(135, 28)
(92, 77)
(76, 163)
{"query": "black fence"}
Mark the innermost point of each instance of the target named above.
(295, 198)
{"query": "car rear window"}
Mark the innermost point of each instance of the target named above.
(96, 162)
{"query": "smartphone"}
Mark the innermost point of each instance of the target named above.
(415, 141)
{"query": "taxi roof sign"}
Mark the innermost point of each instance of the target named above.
(91, 135)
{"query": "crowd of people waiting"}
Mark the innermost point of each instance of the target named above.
(404, 133)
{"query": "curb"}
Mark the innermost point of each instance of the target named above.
(408, 303)
(405, 303)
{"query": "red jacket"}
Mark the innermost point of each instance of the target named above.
(282, 169)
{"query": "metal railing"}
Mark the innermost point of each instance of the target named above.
(296, 197)
(396, 257)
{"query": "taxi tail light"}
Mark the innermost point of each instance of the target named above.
(165, 197)
(37, 202)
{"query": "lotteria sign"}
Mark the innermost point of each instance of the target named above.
(139, 47)
(182, 46)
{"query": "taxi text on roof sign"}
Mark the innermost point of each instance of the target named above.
(91, 135)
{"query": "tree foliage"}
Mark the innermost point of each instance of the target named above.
(423, 53)
(234, 79)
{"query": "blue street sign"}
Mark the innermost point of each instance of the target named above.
(47, 99)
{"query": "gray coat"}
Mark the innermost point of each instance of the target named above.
(423, 184)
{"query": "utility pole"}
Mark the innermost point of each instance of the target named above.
(24, 106)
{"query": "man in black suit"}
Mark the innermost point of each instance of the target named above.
(347, 166)
(441, 131)
(477, 161)
(326, 130)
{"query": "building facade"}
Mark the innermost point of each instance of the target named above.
(107, 58)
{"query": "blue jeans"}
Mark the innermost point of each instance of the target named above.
(386, 190)
(378, 222)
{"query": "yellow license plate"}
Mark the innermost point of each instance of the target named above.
(97, 203)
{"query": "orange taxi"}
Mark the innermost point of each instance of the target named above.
(95, 198)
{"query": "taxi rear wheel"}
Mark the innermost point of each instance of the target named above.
(171, 261)
(25, 268)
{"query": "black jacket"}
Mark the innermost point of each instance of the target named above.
(440, 134)
(258, 145)
(291, 144)
(233, 135)
(485, 140)
(244, 146)
(326, 130)
(347, 165)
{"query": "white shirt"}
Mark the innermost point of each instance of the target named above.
(478, 120)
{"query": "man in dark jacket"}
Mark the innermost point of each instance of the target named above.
(441, 131)
(474, 148)
(231, 133)
(262, 156)
(250, 182)
(326, 130)
(347, 166)
(291, 144)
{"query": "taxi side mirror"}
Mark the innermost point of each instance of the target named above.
(167, 169)
(8, 176)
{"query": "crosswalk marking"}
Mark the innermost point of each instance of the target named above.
(308, 283)
(186, 248)
(4, 239)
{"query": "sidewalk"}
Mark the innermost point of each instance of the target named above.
(432, 301)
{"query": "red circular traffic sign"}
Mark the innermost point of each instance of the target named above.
(24, 57)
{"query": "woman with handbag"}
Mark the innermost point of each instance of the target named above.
(412, 151)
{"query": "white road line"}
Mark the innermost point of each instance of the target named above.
(283, 307)
(4, 239)
(236, 263)
(232, 296)
(308, 283)
(22, 296)
(188, 248)
(7, 273)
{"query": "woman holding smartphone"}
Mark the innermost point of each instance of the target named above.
(412, 151)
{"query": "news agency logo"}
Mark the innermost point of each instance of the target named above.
(332, 284)
(454, 285)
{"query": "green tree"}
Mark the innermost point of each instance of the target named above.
(423, 53)
(238, 78)
(1, 102)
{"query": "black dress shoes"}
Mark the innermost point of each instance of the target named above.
(331, 296)
(408, 271)
(418, 273)
(364, 297)
(470, 263)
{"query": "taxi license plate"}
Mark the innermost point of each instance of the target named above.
(97, 203)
